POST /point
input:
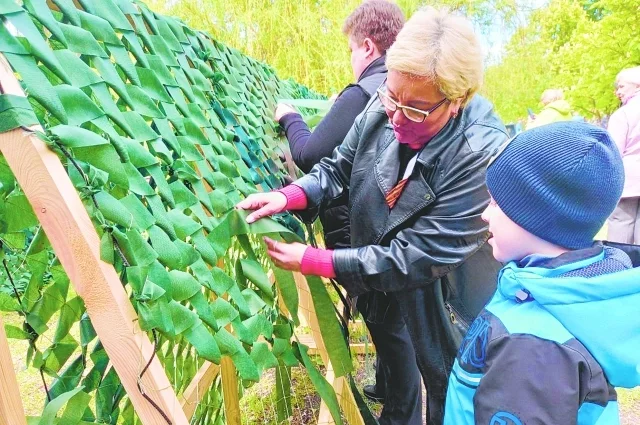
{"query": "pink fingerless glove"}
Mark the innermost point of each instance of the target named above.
(296, 198)
(318, 262)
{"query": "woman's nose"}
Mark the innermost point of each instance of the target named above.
(398, 117)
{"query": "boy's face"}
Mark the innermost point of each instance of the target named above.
(509, 241)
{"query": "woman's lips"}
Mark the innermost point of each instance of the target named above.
(400, 134)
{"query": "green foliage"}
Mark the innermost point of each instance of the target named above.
(303, 39)
(578, 46)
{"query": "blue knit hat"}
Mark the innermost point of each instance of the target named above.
(559, 181)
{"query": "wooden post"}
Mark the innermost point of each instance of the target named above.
(11, 410)
(340, 385)
(64, 219)
(198, 387)
(229, 378)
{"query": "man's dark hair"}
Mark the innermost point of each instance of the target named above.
(379, 20)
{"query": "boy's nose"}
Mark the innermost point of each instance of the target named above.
(485, 215)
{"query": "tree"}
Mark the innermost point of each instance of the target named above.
(303, 39)
(578, 46)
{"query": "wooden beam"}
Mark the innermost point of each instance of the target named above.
(11, 409)
(345, 397)
(198, 387)
(324, 415)
(229, 377)
(230, 392)
(307, 312)
(347, 401)
(64, 219)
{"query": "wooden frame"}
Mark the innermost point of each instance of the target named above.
(198, 386)
(64, 219)
(340, 385)
(11, 410)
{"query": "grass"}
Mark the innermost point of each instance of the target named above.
(259, 401)
(31, 388)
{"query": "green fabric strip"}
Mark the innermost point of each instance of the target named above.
(15, 111)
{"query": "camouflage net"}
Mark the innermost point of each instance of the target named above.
(162, 131)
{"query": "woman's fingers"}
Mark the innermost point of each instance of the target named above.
(286, 256)
(283, 109)
(265, 211)
(278, 260)
(278, 253)
(263, 204)
(274, 252)
(271, 244)
(251, 202)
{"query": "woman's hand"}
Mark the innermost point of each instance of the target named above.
(283, 109)
(287, 256)
(263, 205)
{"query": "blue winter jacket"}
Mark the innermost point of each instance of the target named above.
(548, 349)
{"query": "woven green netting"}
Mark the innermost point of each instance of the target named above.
(162, 130)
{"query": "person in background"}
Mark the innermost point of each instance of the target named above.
(624, 127)
(554, 109)
(562, 329)
(371, 29)
(414, 163)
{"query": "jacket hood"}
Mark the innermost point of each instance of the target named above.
(562, 106)
(600, 309)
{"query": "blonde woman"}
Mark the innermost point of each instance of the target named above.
(414, 163)
(371, 29)
(624, 127)
(554, 109)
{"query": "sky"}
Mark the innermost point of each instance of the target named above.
(495, 38)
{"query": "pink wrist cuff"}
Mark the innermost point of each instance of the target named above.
(318, 262)
(296, 198)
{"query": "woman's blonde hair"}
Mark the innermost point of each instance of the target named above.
(629, 75)
(441, 47)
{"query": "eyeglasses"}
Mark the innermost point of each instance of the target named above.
(412, 114)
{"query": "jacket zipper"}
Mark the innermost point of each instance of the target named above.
(454, 316)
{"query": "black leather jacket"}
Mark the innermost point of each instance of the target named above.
(429, 251)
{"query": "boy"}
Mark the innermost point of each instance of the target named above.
(563, 327)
